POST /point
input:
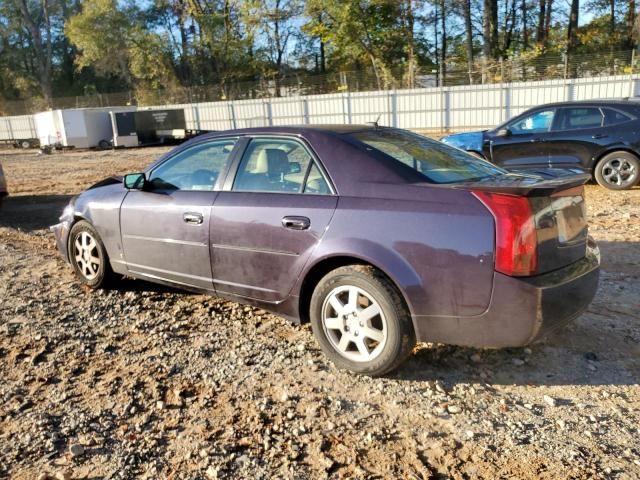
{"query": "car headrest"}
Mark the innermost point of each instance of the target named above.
(277, 163)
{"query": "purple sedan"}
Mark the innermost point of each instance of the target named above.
(377, 236)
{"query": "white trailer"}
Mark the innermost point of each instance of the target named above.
(19, 131)
(123, 126)
(76, 127)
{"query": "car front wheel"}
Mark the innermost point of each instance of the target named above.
(88, 256)
(361, 321)
(618, 171)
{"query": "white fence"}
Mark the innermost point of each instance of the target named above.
(430, 109)
(438, 109)
(19, 127)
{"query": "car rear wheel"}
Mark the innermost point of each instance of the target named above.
(618, 171)
(88, 256)
(361, 321)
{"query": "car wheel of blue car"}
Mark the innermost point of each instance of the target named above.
(361, 321)
(88, 256)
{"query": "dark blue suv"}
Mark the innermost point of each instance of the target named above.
(599, 136)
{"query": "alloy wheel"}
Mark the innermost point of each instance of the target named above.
(86, 255)
(354, 323)
(619, 172)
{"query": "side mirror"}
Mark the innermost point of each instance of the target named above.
(295, 167)
(503, 132)
(134, 181)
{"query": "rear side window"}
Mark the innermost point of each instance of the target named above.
(437, 162)
(613, 117)
(279, 165)
(316, 182)
(576, 118)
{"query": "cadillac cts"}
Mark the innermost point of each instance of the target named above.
(377, 236)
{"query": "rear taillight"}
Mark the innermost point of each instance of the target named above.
(516, 242)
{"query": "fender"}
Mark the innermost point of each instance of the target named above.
(384, 259)
(101, 208)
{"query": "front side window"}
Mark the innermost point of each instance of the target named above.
(278, 165)
(577, 118)
(196, 168)
(437, 162)
(538, 122)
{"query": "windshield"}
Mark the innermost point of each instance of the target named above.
(437, 162)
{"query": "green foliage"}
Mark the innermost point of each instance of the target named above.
(116, 41)
(214, 49)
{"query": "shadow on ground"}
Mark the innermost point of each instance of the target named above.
(31, 212)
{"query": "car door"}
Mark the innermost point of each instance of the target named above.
(521, 144)
(580, 132)
(269, 219)
(165, 226)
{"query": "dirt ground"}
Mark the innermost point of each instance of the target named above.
(148, 382)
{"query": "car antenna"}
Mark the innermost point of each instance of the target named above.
(374, 124)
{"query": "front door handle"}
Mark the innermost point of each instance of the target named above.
(296, 223)
(193, 218)
(599, 135)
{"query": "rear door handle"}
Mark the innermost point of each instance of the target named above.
(599, 135)
(296, 223)
(193, 218)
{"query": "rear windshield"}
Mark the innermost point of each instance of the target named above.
(437, 162)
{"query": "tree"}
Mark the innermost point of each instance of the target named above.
(490, 29)
(442, 61)
(273, 19)
(572, 36)
(37, 22)
(544, 23)
(225, 43)
(407, 22)
(468, 37)
(361, 32)
(115, 41)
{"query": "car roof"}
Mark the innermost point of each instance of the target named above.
(628, 101)
(296, 129)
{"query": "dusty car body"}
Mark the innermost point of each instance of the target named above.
(439, 239)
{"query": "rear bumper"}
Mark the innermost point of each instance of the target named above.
(522, 310)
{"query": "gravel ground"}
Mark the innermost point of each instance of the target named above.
(148, 382)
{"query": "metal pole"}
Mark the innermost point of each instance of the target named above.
(633, 59)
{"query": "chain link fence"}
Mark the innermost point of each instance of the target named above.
(456, 72)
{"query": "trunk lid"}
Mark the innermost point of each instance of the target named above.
(557, 204)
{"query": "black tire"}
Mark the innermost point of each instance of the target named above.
(400, 336)
(104, 145)
(25, 144)
(618, 170)
(93, 275)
